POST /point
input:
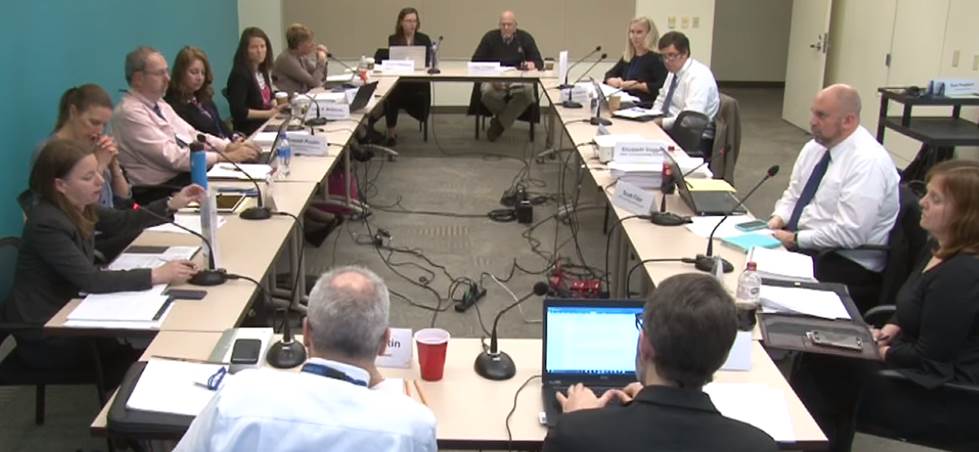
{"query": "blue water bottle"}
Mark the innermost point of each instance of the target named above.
(198, 164)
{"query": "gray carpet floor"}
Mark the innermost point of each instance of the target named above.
(433, 203)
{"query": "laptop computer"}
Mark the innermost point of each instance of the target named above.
(268, 157)
(414, 53)
(362, 97)
(704, 203)
(590, 341)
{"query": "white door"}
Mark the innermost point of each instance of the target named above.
(806, 66)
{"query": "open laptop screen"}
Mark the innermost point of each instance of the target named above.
(595, 339)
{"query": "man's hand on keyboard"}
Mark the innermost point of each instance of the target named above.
(580, 397)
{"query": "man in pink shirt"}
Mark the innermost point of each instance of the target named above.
(152, 139)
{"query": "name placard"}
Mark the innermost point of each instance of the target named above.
(632, 198)
(398, 351)
(484, 68)
(305, 144)
(579, 93)
(334, 110)
(638, 151)
(398, 66)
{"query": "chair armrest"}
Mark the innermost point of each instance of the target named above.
(877, 315)
(17, 327)
(966, 389)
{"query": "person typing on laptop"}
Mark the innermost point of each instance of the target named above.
(689, 324)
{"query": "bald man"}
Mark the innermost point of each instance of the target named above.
(843, 193)
(510, 47)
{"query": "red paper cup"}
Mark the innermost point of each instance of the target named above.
(432, 343)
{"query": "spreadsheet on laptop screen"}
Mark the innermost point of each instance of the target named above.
(591, 340)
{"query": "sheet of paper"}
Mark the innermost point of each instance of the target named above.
(698, 184)
(817, 303)
(226, 170)
(739, 358)
(189, 221)
(170, 386)
(121, 306)
(754, 404)
(613, 91)
(781, 263)
(153, 325)
(129, 261)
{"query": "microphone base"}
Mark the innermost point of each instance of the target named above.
(668, 219)
(705, 263)
(565, 86)
(434, 70)
(570, 104)
(600, 121)
(286, 355)
(209, 277)
(497, 366)
(256, 213)
(316, 122)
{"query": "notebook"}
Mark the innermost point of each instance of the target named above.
(704, 202)
(590, 341)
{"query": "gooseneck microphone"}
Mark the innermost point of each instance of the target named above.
(353, 72)
(667, 187)
(210, 276)
(317, 121)
(585, 74)
(259, 212)
(495, 364)
(286, 353)
(705, 262)
(565, 85)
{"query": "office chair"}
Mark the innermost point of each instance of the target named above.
(476, 108)
(688, 131)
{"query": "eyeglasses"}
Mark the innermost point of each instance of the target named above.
(157, 73)
(672, 56)
(639, 321)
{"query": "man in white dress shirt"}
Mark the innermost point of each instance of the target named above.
(689, 86)
(337, 402)
(843, 193)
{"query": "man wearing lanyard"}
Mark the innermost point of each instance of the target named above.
(843, 193)
(152, 139)
(690, 85)
(338, 401)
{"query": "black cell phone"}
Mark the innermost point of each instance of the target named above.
(186, 294)
(246, 351)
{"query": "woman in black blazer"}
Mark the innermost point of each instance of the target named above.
(412, 97)
(191, 95)
(250, 93)
(56, 259)
(932, 339)
(640, 72)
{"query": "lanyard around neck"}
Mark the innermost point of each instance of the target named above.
(329, 372)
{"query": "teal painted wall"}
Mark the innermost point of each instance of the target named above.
(47, 46)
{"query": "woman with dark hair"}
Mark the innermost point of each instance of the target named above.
(932, 339)
(83, 113)
(412, 97)
(56, 258)
(302, 66)
(190, 92)
(249, 85)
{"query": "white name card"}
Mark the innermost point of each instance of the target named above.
(484, 68)
(952, 87)
(314, 145)
(334, 110)
(398, 351)
(632, 198)
(579, 93)
(639, 151)
(398, 66)
(562, 65)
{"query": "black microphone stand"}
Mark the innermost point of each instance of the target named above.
(435, 57)
(259, 212)
(495, 364)
(287, 353)
(210, 276)
(567, 75)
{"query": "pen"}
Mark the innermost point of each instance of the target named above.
(421, 395)
(186, 360)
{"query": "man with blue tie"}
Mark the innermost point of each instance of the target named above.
(843, 193)
(689, 86)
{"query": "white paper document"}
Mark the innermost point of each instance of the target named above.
(121, 306)
(754, 404)
(130, 261)
(796, 300)
(226, 170)
(782, 264)
(170, 386)
(613, 91)
(189, 221)
(150, 325)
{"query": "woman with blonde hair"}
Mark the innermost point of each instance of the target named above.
(302, 66)
(640, 72)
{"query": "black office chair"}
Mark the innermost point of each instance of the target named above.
(949, 433)
(13, 370)
(688, 133)
(476, 108)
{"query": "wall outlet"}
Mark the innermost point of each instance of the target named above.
(671, 22)
(685, 22)
(955, 58)
(695, 22)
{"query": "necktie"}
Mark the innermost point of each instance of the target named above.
(156, 109)
(809, 191)
(669, 95)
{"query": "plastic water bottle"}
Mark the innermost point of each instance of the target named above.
(749, 286)
(283, 156)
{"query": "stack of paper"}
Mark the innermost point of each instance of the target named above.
(699, 184)
(129, 261)
(782, 264)
(754, 404)
(176, 387)
(228, 171)
(648, 176)
(824, 304)
(140, 306)
(189, 221)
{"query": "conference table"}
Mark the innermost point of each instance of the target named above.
(192, 327)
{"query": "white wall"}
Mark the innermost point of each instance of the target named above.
(696, 12)
(264, 14)
(751, 40)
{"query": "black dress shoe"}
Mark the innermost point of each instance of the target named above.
(495, 130)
